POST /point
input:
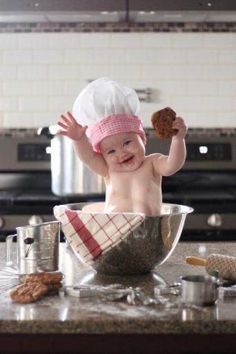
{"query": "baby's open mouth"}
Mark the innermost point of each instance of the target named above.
(128, 159)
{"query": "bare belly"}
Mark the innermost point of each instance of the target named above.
(148, 206)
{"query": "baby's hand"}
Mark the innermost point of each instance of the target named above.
(71, 128)
(179, 124)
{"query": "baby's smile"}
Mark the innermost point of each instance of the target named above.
(127, 160)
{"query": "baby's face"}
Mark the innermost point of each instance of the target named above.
(123, 152)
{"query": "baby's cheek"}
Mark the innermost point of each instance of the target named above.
(111, 160)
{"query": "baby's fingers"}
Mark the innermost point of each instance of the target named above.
(178, 123)
(71, 117)
(62, 132)
(64, 119)
(62, 125)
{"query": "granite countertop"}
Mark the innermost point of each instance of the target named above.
(72, 315)
(66, 314)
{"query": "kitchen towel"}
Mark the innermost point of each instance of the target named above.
(92, 234)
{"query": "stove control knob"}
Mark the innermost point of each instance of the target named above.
(2, 222)
(214, 220)
(35, 219)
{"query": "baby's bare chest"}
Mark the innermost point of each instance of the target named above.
(140, 180)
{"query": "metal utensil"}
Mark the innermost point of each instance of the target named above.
(199, 290)
(37, 248)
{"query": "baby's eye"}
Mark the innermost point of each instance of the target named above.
(127, 142)
(112, 151)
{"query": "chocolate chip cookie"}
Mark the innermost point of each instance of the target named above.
(162, 123)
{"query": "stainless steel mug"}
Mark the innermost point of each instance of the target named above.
(37, 248)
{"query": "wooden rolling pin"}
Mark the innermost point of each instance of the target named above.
(225, 265)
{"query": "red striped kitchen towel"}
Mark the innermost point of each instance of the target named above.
(91, 234)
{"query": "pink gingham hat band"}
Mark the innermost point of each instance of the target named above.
(114, 124)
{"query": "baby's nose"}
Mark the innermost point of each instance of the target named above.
(122, 154)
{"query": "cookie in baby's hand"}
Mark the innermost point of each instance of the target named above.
(162, 123)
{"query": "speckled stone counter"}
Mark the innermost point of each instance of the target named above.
(69, 324)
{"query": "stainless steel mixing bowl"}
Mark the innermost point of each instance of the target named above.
(149, 245)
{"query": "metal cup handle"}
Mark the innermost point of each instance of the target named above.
(9, 241)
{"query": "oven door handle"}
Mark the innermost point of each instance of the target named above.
(9, 241)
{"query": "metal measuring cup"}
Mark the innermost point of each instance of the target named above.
(37, 248)
(200, 290)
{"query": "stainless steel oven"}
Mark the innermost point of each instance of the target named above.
(25, 180)
(25, 195)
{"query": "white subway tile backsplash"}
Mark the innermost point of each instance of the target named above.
(17, 88)
(187, 72)
(87, 56)
(169, 56)
(201, 88)
(150, 56)
(61, 104)
(95, 40)
(39, 119)
(33, 104)
(63, 41)
(157, 72)
(90, 72)
(47, 88)
(186, 103)
(227, 56)
(41, 74)
(187, 40)
(219, 72)
(202, 56)
(1, 119)
(80, 56)
(227, 88)
(16, 57)
(217, 103)
(32, 41)
(63, 72)
(126, 40)
(218, 40)
(8, 41)
(32, 72)
(226, 119)
(48, 57)
(122, 71)
(73, 88)
(8, 72)
(156, 40)
(172, 87)
(8, 104)
(17, 120)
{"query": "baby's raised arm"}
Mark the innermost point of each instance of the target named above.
(82, 146)
(168, 165)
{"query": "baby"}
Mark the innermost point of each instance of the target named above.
(114, 147)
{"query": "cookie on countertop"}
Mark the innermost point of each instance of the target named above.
(44, 278)
(35, 286)
(28, 292)
(162, 123)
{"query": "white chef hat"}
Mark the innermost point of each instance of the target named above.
(107, 108)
